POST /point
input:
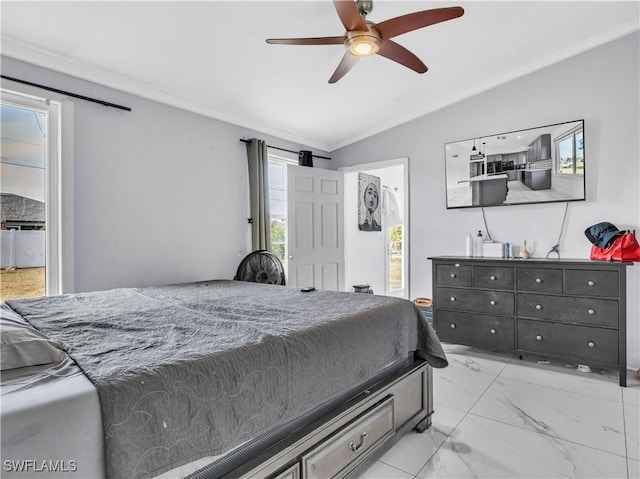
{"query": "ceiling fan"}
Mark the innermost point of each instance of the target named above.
(364, 38)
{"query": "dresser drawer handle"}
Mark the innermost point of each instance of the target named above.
(538, 280)
(453, 326)
(453, 298)
(352, 445)
(591, 311)
(492, 302)
(493, 331)
(493, 278)
(453, 275)
(457, 265)
(538, 306)
(590, 283)
(591, 344)
(539, 338)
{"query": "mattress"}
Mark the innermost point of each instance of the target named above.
(192, 371)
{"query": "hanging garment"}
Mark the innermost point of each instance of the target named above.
(392, 215)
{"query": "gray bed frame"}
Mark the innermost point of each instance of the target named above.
(346, 441)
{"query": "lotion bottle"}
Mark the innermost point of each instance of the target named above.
(469, 245)
(478, 244)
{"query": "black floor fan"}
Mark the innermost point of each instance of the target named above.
(261, 266)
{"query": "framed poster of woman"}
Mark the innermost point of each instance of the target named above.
(369, 217)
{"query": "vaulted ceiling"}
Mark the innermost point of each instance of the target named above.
(211, 57)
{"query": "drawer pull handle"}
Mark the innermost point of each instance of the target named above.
(493, 331)
(591, 311)
(539, 338)
(352, 445)
(453, 298)
(538, 280)
(538, 306)
(492, 302)
(591, 344)
(493, 278)
(453, 326)
(590, 283)
(457, 265)
(453, 275)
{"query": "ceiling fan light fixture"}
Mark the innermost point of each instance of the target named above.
(363, 44)
(362, 47)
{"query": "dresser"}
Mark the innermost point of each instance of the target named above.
(570, 310)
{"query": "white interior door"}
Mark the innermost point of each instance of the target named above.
(315, 235)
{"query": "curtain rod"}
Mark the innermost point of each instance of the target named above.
(63, 92)
(284, 149)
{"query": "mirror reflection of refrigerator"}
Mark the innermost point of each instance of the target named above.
(476, 168)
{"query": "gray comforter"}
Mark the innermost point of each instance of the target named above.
(191, 370)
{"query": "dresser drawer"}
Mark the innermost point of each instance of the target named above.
(453, 274)
(592, 283)
(351, 442)
(581, 343)
(491, 332)
(568, 309)
(492, 277)
(541, 280)
(493, 302)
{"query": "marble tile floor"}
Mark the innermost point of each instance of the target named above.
(497, 416)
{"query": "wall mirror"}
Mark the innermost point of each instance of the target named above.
(538, 165)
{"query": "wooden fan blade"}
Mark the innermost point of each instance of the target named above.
(393, 51)
(307, 41)
(350, 15)
(347, 63)
(413, 21)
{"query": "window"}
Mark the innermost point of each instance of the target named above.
(278, 205)
(570, 153)
(54, 123)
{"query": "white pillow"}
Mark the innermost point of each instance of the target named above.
(21, 345)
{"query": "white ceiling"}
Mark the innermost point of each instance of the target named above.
(211, 57)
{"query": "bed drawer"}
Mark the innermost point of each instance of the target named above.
(492, 302)
(495, 333)
(581, 343)
(454, 274)
(292, 472)
(354, 440)
(568, 309)
(592, 283)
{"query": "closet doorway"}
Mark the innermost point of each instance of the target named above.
(378, 258)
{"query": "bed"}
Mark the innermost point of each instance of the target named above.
(211, 379)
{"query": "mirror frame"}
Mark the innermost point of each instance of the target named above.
(528, 156)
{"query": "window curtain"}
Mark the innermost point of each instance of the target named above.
(259, 194)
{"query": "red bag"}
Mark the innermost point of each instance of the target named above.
(624, 248)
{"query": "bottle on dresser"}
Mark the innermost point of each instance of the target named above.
(477, 250)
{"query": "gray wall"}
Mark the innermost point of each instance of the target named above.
(160, 193)
(601, 86)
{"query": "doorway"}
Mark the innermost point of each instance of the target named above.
(379, 258)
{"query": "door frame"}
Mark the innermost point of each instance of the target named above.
(404, 162)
